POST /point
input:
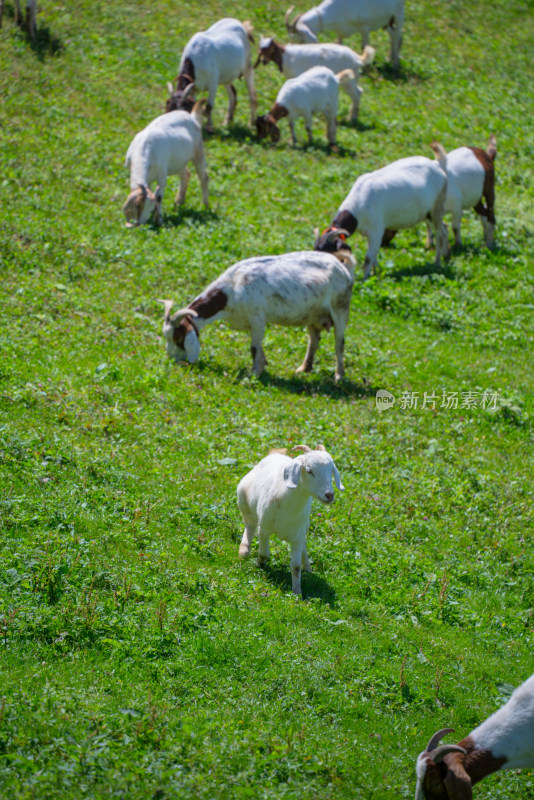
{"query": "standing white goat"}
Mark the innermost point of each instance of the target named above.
(294, 59)
(316, 91)
(346, 17)
(302, 288)
(503, 741)
(400, 195)
(471, 177)
(213, 58)
(163, 148)
(275, 498)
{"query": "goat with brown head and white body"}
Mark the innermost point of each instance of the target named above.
(212, 58)
(275, 498)
(346, 17)
(164, 147)
(315, 91)
(294, 289)
(294, 59)
(400, 195)
(503, 741)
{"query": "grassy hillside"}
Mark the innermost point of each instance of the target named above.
(138, 657)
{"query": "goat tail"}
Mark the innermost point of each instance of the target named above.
(247, 25)
(440, 155)
(368, 55)
(198, 110)
(345, 77)
(492, 147)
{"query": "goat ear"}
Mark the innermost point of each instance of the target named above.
(192, 346)
(292, 474)
(457, 782)
(337, 478)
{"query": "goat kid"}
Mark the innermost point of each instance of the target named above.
(503, 741)
(346, 17)
(400, 195)
(163, 148)
(213, 58)
(315, 91)
(294, 289)
(275, 498)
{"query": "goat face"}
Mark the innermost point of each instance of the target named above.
(139, 205)
(181, 338)
(266, 126)
(315, 471)
(331, 241)
(183, 97)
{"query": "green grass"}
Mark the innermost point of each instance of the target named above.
(139, 657)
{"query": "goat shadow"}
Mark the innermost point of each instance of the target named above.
(419, 270)
(318, 385)
(313, 585)
(183, 214)
(406, 73)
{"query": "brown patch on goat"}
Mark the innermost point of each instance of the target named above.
(179, 332)
(209, 303)
(274, 52)
(477, 763)
(488, 189)
(458, 772)
(346, 220)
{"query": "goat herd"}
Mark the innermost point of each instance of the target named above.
(313, 288)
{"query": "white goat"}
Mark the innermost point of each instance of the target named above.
(316, 91)
(400, 195)
(503, 741)
(294, 59)
(346, 17)
(301, 288)
(31, 14)
(471, 177)
(213, 58)
(163, 148)
(275, 497)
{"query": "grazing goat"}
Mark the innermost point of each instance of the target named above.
(294, 59)
(164, 147)
(302, 288)
(31, 14)
(275, 497)
(346, 17)
(213, 58)
(503, 741)
(471, 177)
(400, 195)
(315, 91)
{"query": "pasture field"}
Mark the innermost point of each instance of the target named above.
(138, 657)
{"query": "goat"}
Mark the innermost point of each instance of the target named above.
(346, 17)
(471, 177)
(400, 195)
(31, 14)
(294, 59)
(504, 741)
(163, 148)
(275, 497)
(301, 288)
(212, 58)
(315, 91)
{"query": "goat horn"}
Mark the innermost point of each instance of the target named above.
(181, 313)
(443, 750)
(168, 305)
(303, 447)
(321, 447)
(187, 91)
(336, 233)
(436, 739)
(170, 88)
(291, 26)
(143, 189)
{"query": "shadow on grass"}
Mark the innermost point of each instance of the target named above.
(423, 269)
(406, 73)
(313, 585)
(316, 146)
(317, 385)
(361, 127)
(183, 214)
(45, 44)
